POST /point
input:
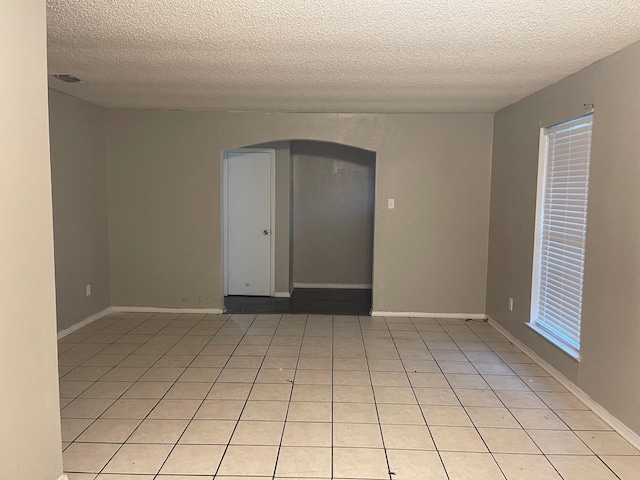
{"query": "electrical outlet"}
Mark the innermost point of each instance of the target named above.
(87, 290)
(391, 203)
(510, 304)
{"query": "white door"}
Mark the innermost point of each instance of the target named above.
(249, 180)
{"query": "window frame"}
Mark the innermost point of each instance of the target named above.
(543, 164)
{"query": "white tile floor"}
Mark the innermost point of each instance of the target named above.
(250, 397)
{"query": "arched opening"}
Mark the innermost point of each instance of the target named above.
(320, 252)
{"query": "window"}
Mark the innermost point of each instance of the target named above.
(561, 223)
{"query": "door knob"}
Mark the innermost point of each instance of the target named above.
(265, 232)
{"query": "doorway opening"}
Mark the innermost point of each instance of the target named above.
(316, 255)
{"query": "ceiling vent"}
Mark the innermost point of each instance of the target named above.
(68, 78)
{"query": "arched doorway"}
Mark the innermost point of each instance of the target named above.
(322, 228)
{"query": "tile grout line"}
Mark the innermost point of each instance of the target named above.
(195, 413)
(451, 335)
(147, 369)
(293, 380)
(333, 333)
(444, 468)
(175, 444)
(104, 347)
(460, 402)
(61, 378)
(122, 394)
(514, 417)
(507, 408)
(163, 396)
(114, 400)
(375, 403)
(464, 408)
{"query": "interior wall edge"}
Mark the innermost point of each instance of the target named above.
(30, 444)
(80, 213)
(610, 305)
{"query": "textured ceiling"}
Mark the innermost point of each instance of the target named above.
(329, 55)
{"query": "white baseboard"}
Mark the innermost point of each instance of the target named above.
(474, 316)
(108, 310)
(629, 435)
(282, 295)
(165, 310)
(355, 286)
(63, 477)
(82, 323)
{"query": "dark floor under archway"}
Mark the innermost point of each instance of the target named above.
(332, 301)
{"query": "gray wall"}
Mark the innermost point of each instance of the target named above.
(283, 213)
(333, 198)
(164, 202)
(79, 184)
(610, 350)
(30, 446)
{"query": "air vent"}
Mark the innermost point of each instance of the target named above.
(68, 78)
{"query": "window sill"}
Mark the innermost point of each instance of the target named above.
(572, 352)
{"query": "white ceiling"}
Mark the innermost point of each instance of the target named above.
(329, 55)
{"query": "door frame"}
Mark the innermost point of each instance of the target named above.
(225, 214)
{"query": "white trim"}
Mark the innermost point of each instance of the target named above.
(628, 434)
(563, 347)
(63, 477)
(165, 310)
(272, 233)
(570, 344)
(224, 234)
(474, 316)
(356, 286)
(225, 215)
(282, 295)
(85, 322)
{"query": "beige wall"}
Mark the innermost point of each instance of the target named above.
(610, 350)
(29, 406)
(333, 198)
(164, 202)
(79, 184)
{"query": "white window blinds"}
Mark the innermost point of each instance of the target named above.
(561, 230)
